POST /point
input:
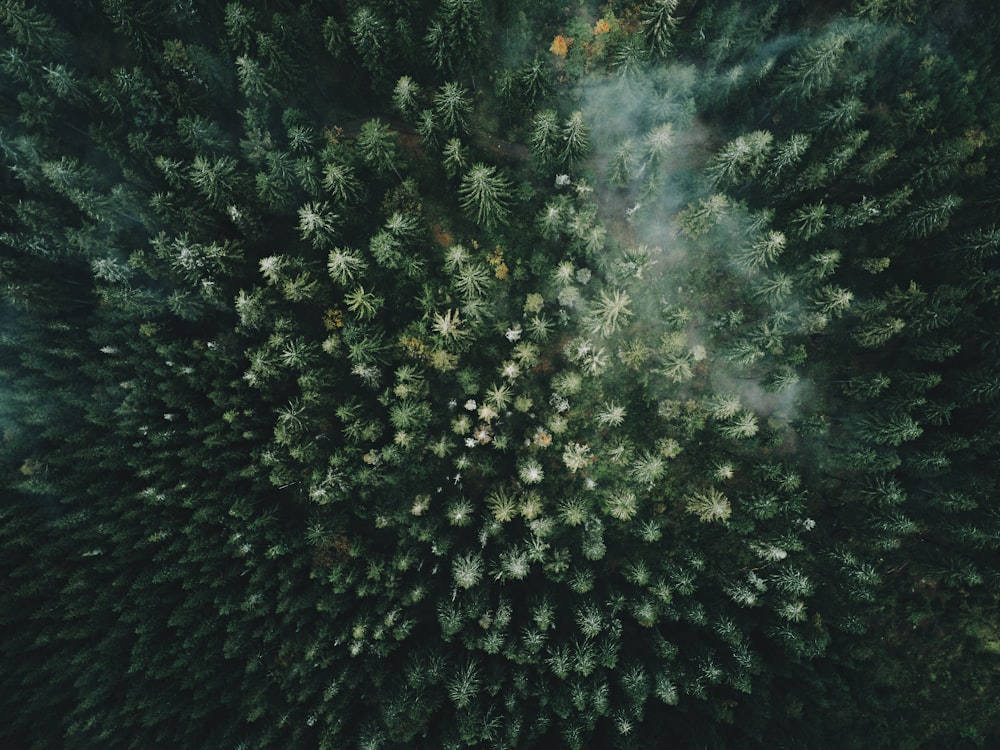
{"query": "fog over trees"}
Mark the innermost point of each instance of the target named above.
(459, 373)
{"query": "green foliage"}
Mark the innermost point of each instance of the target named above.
(370, 38)
(659, 23)
(485, 195)
(545, 138)
(406, 96)
(452, 108)
(740, 160)
(813, 67)
(456, 35)
(637, 384)
(377, 147)
(576, 142)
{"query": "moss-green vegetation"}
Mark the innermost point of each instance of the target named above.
(405, 373)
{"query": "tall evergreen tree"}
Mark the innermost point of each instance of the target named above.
(485, 195)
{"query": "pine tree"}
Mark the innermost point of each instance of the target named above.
(365, 304)
(452, 108)
(340, 180)
(317, 223)
(455, 157)
(406, 97)
(709, 505)
(813, 67)
(576, 140)
(254, 80)
(32, 28)
(371, 40)
(609, 312)
(932, 216)
(623, 167)
(485, 195)
(659, 24)
(240, 23)
(892, 429)
(377, 147)
(456, 34)
(545, 138)
(810, 220)
(214, 179)
(842, 114)
(740, 160)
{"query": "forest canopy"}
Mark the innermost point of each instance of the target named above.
(459, 373)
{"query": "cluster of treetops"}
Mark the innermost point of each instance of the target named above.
(462, 373)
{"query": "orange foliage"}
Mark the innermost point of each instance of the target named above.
(442, 236)
(495, 259)
(413, 347)
(333, 134)
(333, 318)
(602, 27)
(560, 46)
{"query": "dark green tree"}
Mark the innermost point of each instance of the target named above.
(485, 195)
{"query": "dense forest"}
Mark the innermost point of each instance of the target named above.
(497, 373)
